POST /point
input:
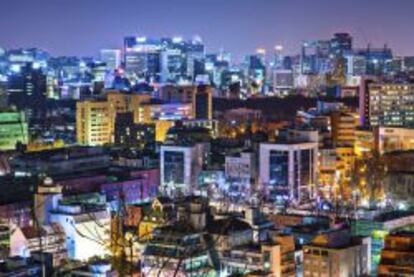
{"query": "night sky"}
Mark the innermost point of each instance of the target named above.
(82, 27)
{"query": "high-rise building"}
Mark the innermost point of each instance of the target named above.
(94, 123)
(390, 105)
(340, 43)
(111, 58)
(376, 59)
(95, 120)
(166, 59)
(355, 64)
(256, 71)
(13, 130)
(314, 57)
(142, 58)
(288, 171)
(27, 91)
(282, 80)
(364, 101)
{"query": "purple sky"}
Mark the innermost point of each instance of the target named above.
(82, 27)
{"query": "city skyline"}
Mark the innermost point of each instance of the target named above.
(236, 26)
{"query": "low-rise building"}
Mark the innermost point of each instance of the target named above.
(24, 241)
(397, 257)
(87, 228)
(336, 254)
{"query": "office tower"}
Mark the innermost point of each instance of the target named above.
(163, 60)
(408, 63)
(287, 171)
(314, 57)
(215, 65)
(94, 123)
(173, 65)
(256, 71)
(390, 105)
(111, 57)
(278, 62)
(397, 255)
(27, 91)
(355, 64)
(282, 80)
(142, 58)
(340, 43)
(128, 133)
(18, 58)
(195, 58)
(13, 130)
(231, 78)
(178, 59)
(337, 254)
(180, 166)
(376, 59)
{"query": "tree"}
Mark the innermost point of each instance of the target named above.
(368, 177)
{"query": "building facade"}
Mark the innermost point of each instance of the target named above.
(288, 172)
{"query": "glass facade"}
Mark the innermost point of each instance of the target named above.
(174, 167)
(278, 171)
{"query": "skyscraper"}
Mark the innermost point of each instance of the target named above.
(340, 43)
(27, 91)
(111, 57)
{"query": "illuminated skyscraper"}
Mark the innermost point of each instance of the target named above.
(142, 58)
(166, 59)
(111, 57)
(27, 91)
(340, 43)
